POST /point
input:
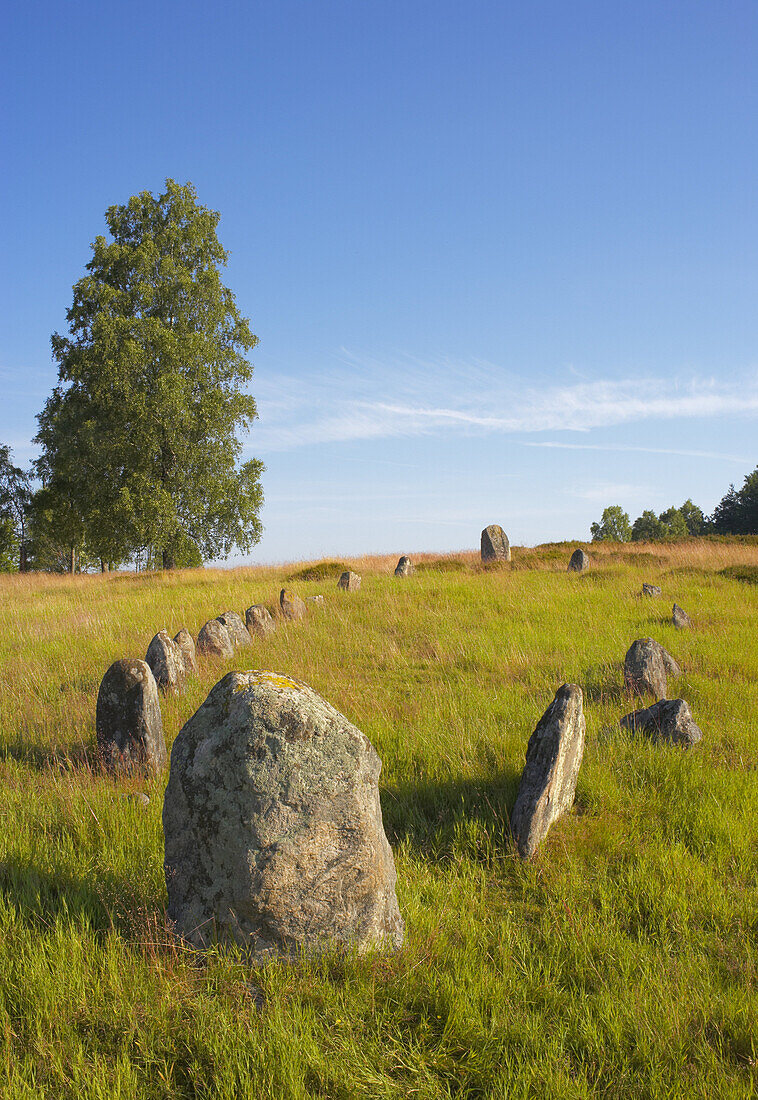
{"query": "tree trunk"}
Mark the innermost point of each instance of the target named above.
(104, 566)
(72, 561)
(168, 559)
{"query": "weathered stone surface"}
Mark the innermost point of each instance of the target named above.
(553, 758)
(669, 720)
(128, 720)
(404, 567)
(273, 826)
(214, 641)
(680, 618)
(651, 590)
(495, 545)
(317, 600)
(291, 604)
(579, 562)
(349, 581)
(166, 662)
(186, 644)
(238, 632)
(646, 667)
(259, 621)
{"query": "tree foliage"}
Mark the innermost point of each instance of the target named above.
(139, 440)
(737, 511)
(613, 527)
(15, 497)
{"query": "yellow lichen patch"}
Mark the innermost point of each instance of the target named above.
(275, 679)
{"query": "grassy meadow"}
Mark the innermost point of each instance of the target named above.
(621, 962)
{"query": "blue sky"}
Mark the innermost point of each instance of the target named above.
(501, 258)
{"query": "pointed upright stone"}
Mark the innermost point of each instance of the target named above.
(495, 545)
(128, 720)
(237, 630)
(291, 604)
(553, 758)
(273, 825)
(579, 562)
(349, 581)
(186, 644)
(646, 667)
(404, 567)
(166, 662)
(214, 641)
(259, 621)
(680, 618)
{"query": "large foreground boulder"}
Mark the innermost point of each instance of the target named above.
(166, 662)
(214, 641)
(292, 606)
(259, 621)
(237, 630)
(128, 720)
(404, 567)
(553, 758)
(646, 667)
(186, 644)
(579, 562)
(495, 545)
(669, 720)
(349, 581)
(273, 826)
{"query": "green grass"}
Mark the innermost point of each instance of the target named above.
(622, 962)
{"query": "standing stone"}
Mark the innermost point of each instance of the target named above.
(128, 720)
(291, 604)
(259, 620)
(349, 581)
(495, 545)
(273, 825)
(553, 758)
(646, 666)
(651, 590)
(166, 662)
(238, 632)
(186, 645)
(669, 720)
(214, 641)
(404, 567)
(680, 618)
(579, 562)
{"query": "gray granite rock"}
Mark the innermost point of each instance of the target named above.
(186, 644)
(646, 667)
(214, 641)
(128, 720)
(259, 621)
(553, 758)
(495, 545)
(404, 567)
(291, 604)
(273, 826)
(579, 562)
(669, 720)
(316, 600)
(238, 632)
(349, 581)
(166, 662)
(680, 618)
(651, 590)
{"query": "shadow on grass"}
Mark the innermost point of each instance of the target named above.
(444, 820)
(74, 757)
(602, 684)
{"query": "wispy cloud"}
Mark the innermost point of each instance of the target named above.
(640, 450)
(351, 403)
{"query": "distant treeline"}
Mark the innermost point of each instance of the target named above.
(735, 514)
